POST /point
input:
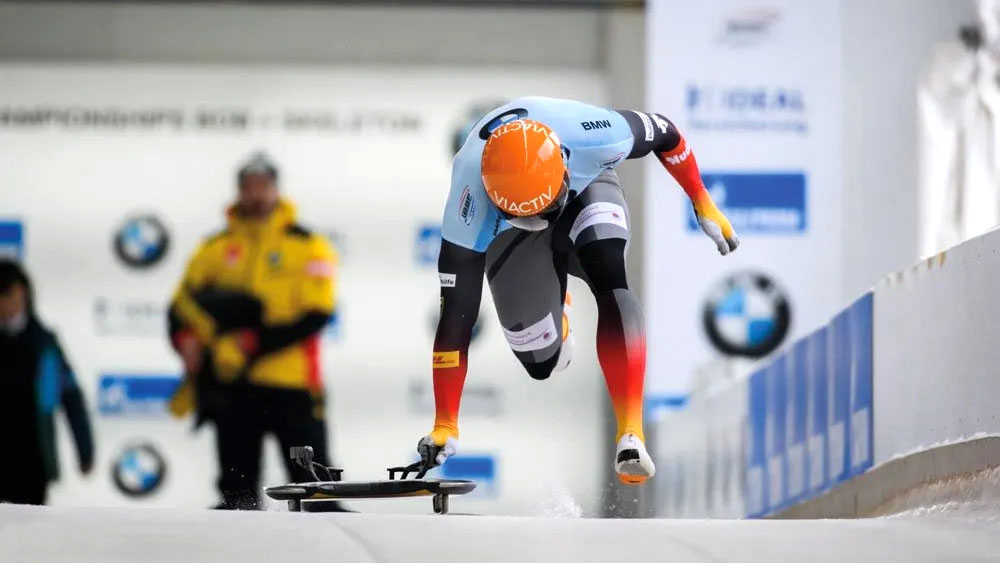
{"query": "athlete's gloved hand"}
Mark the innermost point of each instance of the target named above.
(230, 354)
(436, 447)
(715, 225)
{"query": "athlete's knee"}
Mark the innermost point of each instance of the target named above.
(604, 263)
(542, 370)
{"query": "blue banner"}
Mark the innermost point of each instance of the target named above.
(427, 245)
(840, 399)
(819, 411)
(777, 422)
(798, 409)
(12, 240)
(135, 394)
(479, 468)
(862, 448)
(810, 414)
(756, 466)
(761, 203)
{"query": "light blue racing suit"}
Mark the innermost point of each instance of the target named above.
(593, 138)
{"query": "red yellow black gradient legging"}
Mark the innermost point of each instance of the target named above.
(449, 379)
(621, 350)
(621, 334)
(459, 309)
(621, 338)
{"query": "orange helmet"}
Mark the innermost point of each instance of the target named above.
(523, 168)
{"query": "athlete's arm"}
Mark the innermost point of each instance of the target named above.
(654, 133)
(461, 271)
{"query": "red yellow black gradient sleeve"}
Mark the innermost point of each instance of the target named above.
(461, 273)
(654, 133)
(682, 165)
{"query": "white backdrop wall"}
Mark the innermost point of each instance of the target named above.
(935, 350)
(754, 90)
(369, 164)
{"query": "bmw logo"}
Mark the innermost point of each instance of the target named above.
(746, 314)
(138, 470)
(141, 241)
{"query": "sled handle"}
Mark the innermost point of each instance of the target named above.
(418, 467)
(303, 457)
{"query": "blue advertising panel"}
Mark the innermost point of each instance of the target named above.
(758, 203)
(777, 422)
(810, 414)
(756, 466)
(840, 398)
(862, 448)
(819, 411)
(427, 245)
(11, 240)
(798, 408)
(135, 394)
(479, 468)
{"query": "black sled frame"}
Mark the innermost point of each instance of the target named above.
(329, 486)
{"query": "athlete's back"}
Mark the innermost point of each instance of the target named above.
(593, 139)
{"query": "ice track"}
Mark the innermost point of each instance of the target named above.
(152, 536)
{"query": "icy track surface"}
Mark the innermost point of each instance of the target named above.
(151, 536)
(971, 498)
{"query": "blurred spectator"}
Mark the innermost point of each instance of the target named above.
(246, 320)
(35, 379)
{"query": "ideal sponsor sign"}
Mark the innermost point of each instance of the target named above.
(755, 92)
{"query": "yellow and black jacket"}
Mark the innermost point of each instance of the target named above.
(272, 279)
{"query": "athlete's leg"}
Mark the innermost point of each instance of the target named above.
(528, 282)
(597, 225)
(621, 337)
(568, 340)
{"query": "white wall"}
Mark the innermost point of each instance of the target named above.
(885, 45)
(936, 354)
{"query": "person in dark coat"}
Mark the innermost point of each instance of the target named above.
(35, 380)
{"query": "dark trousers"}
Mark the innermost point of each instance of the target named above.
(22, 472)
(295, 417)
(31, 490)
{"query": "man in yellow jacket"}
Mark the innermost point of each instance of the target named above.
(246, 320)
